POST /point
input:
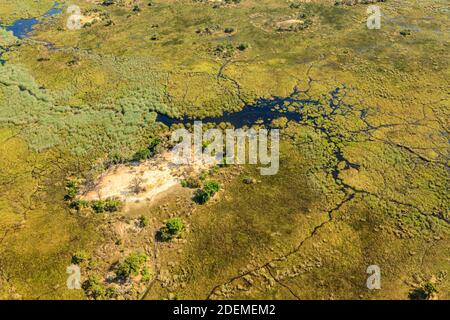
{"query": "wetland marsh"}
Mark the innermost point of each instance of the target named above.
(364, 149)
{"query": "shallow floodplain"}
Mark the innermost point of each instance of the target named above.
(361, 184)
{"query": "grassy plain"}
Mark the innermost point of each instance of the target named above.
(308, 232)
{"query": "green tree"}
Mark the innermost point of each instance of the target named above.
(210, 188)
(132, 265)
(172, 229)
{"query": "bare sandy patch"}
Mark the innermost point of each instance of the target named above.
(144, 181)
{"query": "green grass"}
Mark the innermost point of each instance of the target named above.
(64, 112)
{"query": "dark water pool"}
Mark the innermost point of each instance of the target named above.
(21, 28)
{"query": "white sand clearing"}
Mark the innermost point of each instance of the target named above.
(142, 181)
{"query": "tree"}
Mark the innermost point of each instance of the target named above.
(172, 229)
(132, 265)
(136, 184)
(210, 188)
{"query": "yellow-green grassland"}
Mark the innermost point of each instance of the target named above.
(363, 178)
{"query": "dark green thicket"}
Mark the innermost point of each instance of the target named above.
(172, 229)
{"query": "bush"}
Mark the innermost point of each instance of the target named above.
(148, 152)
(109, 205)
(142, 155)
(143, 221)
(242, 47)
(71, 190)
(173, 228)
(225, 50)
(249, 180)
(132, 265)
(201, 197)
(80, 257)
(98, 206)
(423, 293)
(116, 158)
(112, 205)
(191, 182)
(146, 275)
(211, 187)
(93, 288)
(79, 204)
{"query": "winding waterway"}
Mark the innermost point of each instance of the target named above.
(262, 111)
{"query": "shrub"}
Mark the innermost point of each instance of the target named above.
(116, 158)
(249, 180)
(112, 205)
(191, 182)
(109, 205)
(405, 32)
(201, 197)
(423, 293)
(143, 221)
(141, 155)
(93, 288)
(80, 257)
(146, 275)
(148, 152)
(173, 228)
(242, 47)
(98, 206)
(225, 50)
(107, 2)
(79, 204)
(211, 187)
(132, 265)
(110, 292)
(71, 190)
